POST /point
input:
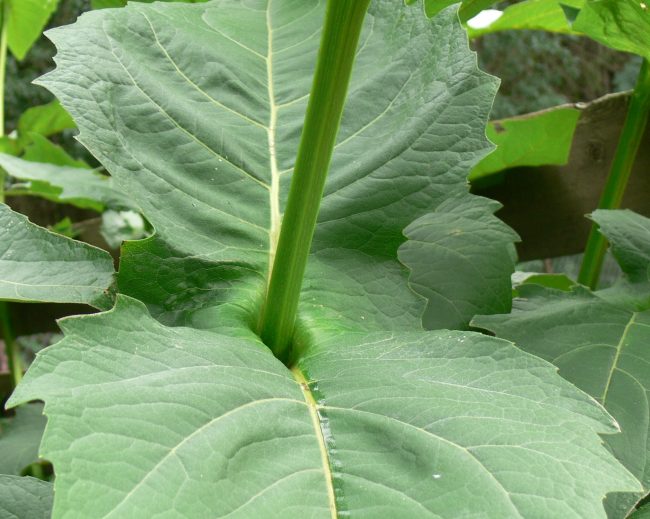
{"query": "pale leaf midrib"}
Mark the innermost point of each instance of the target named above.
(274, 191)
(322, 443)
(619, 348)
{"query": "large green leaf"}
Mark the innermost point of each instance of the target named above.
(619, 24)
(27, 18)
(211, 170)
(529, 140)
(544, 15)
(81, 187)
(599, 341)
(599, 346)
(378, 418)
(37, 265)
(25, 498)
(468, 240)
(191, 423)
(20, 437)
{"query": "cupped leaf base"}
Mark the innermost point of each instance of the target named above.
(189, 423)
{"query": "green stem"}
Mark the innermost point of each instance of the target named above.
(3, 62)
(3, 72)
(11, 348)
(628, 146)
(343, 23)
(38, 471)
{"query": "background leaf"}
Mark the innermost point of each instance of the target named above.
(81, 187)
(40, 149)
(544, 15)
(529, 140)
(25, 498)
(20, 438)
(599, 342)
(619, 24)
(38, 265)
(45, 120)
(27, 18)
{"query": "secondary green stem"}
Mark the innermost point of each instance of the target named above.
(3, 62)
(628, 146)
(343, 23)
(3, 72)
(11, 348)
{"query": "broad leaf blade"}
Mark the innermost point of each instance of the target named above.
(25, 498)
(387, 402)
(382, 425)
(211, 170)
(462, 237)
(37, 265)
(20, 438)
(600, 346)
(629, 236)
(182, 422)
(27, 18)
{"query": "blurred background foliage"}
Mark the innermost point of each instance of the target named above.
(21, 94)
(541, 69)
(537, 70)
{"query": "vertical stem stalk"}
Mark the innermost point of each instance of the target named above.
(3, 62)
(3, 72)
(11, 348)
(343, 24)
(628, 146)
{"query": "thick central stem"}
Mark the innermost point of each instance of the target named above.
(343, 23)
